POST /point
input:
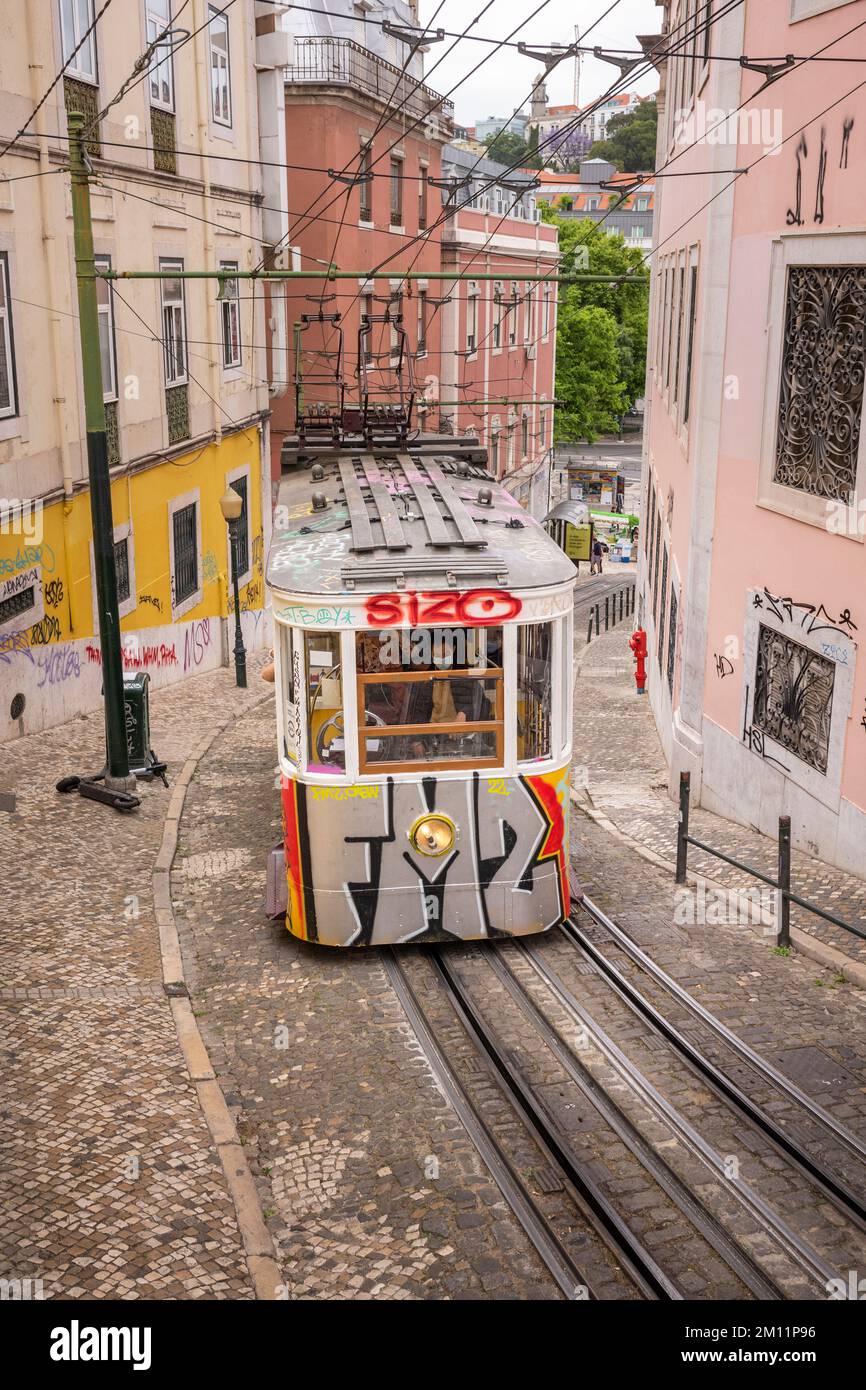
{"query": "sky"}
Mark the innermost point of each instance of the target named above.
(504, 82)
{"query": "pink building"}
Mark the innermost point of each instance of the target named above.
(753, 566)
(496, 376)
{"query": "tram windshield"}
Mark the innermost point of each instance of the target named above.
(430, 695)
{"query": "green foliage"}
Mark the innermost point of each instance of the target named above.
(602, 331)
(510, 148)
(631, 140)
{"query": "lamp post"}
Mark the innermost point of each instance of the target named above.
(231, 506)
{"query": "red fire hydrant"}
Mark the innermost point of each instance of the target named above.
(637, 642)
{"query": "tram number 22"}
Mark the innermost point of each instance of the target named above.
(476, 608)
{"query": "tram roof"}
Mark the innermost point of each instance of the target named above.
(430, 516)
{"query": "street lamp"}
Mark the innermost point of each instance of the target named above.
(231, 506)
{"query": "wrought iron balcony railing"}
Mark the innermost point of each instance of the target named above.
(343, 63)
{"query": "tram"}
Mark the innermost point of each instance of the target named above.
(423, 639)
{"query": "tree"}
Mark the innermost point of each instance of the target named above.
(630, 143)
(510, 148)
(596, 389)
(587, 373)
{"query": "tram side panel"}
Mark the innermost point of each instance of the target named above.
(356, 878)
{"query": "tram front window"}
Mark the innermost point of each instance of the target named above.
(430, 695)
(327, 737)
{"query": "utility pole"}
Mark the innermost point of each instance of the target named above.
(117, 777)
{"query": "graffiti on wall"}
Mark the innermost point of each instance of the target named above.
(794, 215)
(504, 875)
(196, 641)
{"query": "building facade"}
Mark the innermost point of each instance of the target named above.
(183, 373)
(629, 215)
(499, 332)
(349, 109)
(753, 535)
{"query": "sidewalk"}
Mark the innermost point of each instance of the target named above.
(626, 775)
(113, 1184)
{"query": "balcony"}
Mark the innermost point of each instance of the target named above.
(342, 63)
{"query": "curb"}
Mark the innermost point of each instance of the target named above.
(819, 951)
(264, 1269)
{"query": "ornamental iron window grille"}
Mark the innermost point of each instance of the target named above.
(672, 640)
(112, 433)
(793, 697)
(164, 127)
(184, 524)
(661, 646)
(821, 396)
(21, 602)
(83, 97)
(177, 410)
(121, 569)
(658, 552)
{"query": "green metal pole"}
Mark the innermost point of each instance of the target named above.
(117, 777)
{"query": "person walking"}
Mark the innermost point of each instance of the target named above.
(598, 549)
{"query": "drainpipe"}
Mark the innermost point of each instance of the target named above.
(201, 102)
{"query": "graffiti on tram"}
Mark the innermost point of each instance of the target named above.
(505, 874)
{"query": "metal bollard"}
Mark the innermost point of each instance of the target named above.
(683, 827)
(783, 936)
(606, 614)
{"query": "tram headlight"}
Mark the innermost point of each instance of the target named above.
(432, 835)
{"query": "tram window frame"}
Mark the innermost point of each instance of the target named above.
(314, 642)
(289, 647)
(549, 686)
(398, 675)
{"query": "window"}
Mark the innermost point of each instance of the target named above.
(494, 453)
(472, 316)
(240, 484)
(524, 436)
(794, 697)
(642, 204)
(534, 686)
(422, 323)
(396, 192)
(528, 314)
(220, 67)
(672, 639)
(184, 523)
(290, 679)
(365, 186)
(395, 312)
(366, 331)
(422, 198)
(326, 749)
(681, 287)
(8, 387)
(512, 315)
(690, 334)
(430, 695)
(664, 590)
(592, 204)
(497, 313)
(822, 369)
(121, 570)
(545, 311)
(107, 341)
(161, 77)
(76, 17)
(173, 325)
(231, 317)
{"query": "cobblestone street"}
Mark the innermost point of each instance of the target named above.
(365, 1178)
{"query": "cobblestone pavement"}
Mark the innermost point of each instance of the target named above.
(111, 1186)
(370, 1184)
(617, 744)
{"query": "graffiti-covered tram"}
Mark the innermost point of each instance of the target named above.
(423, 631)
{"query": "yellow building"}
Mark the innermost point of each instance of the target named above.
(176, 186)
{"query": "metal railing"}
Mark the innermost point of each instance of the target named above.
(782, 883)
(344, 63)
(625, 597)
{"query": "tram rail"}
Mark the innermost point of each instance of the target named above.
(833, 1186)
